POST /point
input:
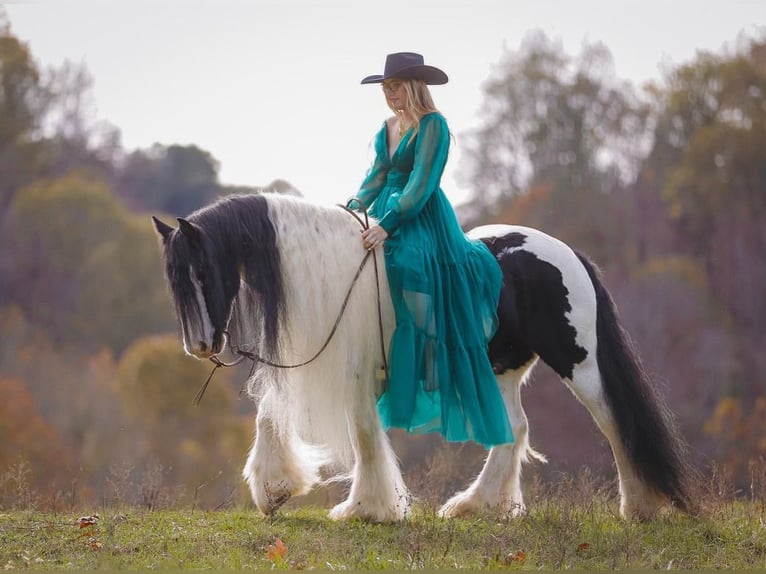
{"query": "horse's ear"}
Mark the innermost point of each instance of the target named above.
(163, 229)
(189, 229)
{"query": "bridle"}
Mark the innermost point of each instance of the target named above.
(244, 354)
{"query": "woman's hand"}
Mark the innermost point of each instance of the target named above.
(373, 236)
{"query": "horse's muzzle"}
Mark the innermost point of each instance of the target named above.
(202, 350)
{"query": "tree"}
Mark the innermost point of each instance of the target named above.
(74, 137)
(22, 101)
(715, 121)
(569, 133)
(76, 395)
(169, 179)
(707, 170)
(22, 104)
(87, 270)
(56, 225)
(25, 434)
(122, 294)
(550, 119)
(739, 431)
(193, 443)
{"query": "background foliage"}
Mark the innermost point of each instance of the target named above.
(663, 186)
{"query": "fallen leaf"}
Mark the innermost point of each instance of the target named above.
(276, 551)
(520, 557)
(583, 547)
(85, 521)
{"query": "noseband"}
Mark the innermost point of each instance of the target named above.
(244, 354)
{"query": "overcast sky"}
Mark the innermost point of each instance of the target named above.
(271, 87)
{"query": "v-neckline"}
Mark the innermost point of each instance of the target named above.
(392, 152)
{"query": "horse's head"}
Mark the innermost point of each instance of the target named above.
(203, 282)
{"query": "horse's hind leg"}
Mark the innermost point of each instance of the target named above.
(498, 486)
(279, 465)
(636, 499)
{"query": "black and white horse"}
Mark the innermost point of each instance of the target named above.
(270, 273)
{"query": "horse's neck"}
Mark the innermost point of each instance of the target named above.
(315, 238)
(320, 251)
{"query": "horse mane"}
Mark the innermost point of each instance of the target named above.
(242, 237)
(178, 255)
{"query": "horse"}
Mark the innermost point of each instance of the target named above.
(274, 274)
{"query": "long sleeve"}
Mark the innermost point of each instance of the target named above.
(376, 176)
(431, 151)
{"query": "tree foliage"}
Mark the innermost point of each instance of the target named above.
(56, 224)
(707, 171)
(562, 136)
(24, 433)
(548, 118)
(122, 293)
(74, 137)
(22, 104)
(169, 179)
(739, 428)
(715, 120)
(195, 443)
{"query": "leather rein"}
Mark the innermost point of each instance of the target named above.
(255, 358)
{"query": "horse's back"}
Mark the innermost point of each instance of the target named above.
(505, 241)
(548, 303)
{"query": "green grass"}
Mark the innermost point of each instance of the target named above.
(554, 534)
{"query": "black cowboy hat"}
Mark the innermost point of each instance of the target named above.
(408, 66)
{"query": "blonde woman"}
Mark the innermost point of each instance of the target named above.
(444, 286)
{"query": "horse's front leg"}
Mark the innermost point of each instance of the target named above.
(377, 490)
(280, 465)
(498, 486)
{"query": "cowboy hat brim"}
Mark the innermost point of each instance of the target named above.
(429, 74)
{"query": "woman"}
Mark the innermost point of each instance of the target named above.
(444, 287)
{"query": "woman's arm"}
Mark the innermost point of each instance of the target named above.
(431, 151)
(376, 176)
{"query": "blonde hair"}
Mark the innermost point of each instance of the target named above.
(419, 102)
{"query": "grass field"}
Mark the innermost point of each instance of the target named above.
(559, 531)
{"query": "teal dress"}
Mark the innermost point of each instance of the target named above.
(445, 289)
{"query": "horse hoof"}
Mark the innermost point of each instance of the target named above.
(271, 497)
(458, 506)
(277, 503)
(343, 511)
(650, 509)
(349, 509)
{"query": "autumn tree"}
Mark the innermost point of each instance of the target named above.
(122, 294)
(56, 225)
(22, 101)
(87, 270)
(712, 126)
(25, 435)
(739, 429)
(567, 130)
(74, 137)
(169, 179)
(195, 444)
(22, 104)
(707, 171)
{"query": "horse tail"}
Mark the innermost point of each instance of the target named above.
(646, 426)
